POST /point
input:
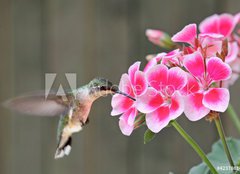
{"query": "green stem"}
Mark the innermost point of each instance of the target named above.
(194, 145)
(233, 115)
(224, 142)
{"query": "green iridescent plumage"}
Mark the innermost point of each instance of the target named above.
(63, 121)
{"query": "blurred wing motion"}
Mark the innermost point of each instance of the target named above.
(36, 104)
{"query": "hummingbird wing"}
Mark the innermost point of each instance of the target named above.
(37, 104)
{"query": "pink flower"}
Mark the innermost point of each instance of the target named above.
(220, 24)
(154, 61)
(191, 79)
(134, 84)
(173, 58)
(162, 102)
(170, 59)
(210, 42)
(205, 96)
(188, 34)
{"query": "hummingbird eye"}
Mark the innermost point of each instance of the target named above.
(103, 88)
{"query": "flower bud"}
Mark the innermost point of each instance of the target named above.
(160, 38)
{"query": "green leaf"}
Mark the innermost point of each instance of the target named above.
(148, 136)
(219, 159)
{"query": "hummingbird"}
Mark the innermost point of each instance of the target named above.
(73, 108)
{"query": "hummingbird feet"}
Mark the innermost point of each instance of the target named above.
(64, 150)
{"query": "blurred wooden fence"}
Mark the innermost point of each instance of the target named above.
(91, 38)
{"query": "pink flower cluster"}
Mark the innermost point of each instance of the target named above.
(191, 79)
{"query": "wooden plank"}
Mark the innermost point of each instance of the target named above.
(111, 59)
(93, 50)
(6, 87)
(26, 131)
(90, 38)
(135, 146)
(69, 47)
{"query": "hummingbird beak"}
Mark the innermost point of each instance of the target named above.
(116, 90)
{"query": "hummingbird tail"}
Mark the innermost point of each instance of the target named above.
(64, 149)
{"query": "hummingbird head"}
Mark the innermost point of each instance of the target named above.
(101, 86)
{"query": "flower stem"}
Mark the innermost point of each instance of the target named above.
(194, 145)
(233, 115)
(224, 142)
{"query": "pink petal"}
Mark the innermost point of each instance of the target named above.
(235, 65)
(210, 24)
(211, 35)
(226, 24)
(191, 87)
(194, 108)
(237, 18)
(157, 76)
(154, 61)
(176, 78)
(125, 119)
(149, 101)
(125, 128)
(212, 42)
(218, 70)
(154, 36)
(140, 83)
(132, 70)
(216, 99)
(194, 64)
(160, 56)
(151, 63)
(177, 105)
(172, 57)
(186, 35)
(158, 119)
(173, 53)
(125, 85)
(154, 33)
(120, 104)
(188, 50)
(131, 114)
(213, 47)
(232, 52)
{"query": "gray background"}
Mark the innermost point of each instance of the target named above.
(92, 38)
